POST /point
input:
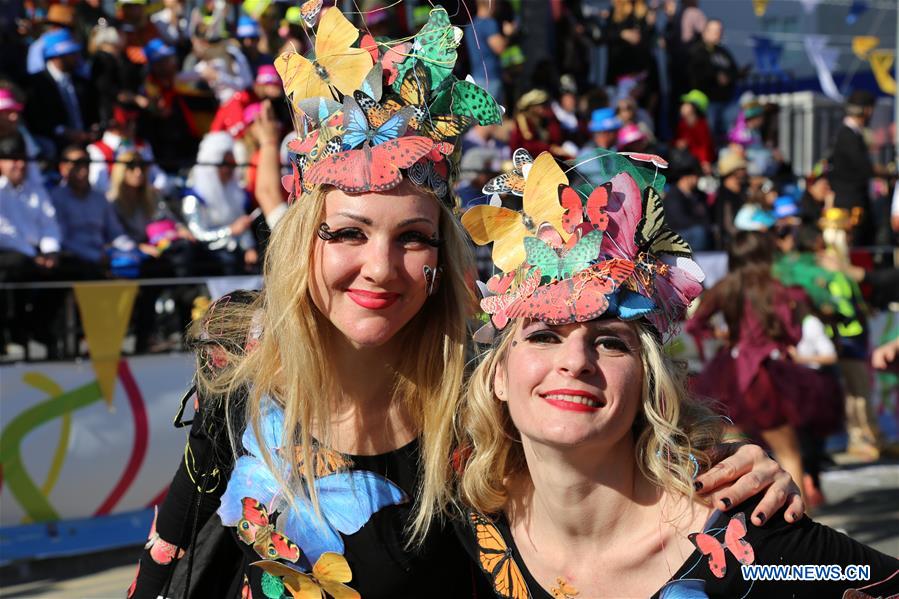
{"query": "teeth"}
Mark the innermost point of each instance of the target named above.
(573, 399)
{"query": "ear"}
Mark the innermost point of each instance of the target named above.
(499, 382)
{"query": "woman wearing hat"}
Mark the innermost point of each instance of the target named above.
(326, 403)
(536, 127)
(583, 445)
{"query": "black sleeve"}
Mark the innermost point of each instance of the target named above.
(193, 497)
(778, 543)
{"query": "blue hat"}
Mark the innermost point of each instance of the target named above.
(156, 49)
(785, 207)
(604, 119)
(59, 43)
(247, 27)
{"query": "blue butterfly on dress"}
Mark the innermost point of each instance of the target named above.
(357, 130)
(684, 588)
(347, 499)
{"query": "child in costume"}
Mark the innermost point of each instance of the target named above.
(582, 444)
(319, 454)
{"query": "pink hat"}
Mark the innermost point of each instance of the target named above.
(8, 101)
(629, 134)
(267, 75)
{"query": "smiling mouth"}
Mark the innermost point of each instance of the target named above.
(373, 300)
(575, 401)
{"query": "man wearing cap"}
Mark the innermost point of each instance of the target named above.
(88, 222)
(121, 135)
(851, 169)
(29, 232)
(732, 170)
(61, 104)
(603, 128)
(59, 17)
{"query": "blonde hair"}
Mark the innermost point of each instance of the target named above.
(669, 427)
(146, 200)
(293, 368)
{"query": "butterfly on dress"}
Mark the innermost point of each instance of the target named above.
(734, 542)
(161, 551)
(337, 64)
(329, 575)
(256, 529)
(496, 559)
(506, 228)
(579, 298)
(513, 181)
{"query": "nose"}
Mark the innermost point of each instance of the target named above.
(576, 357)
(380, 261)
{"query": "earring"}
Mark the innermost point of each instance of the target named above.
(432, 278)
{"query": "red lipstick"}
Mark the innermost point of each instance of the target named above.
(373, 300)
(573, 401)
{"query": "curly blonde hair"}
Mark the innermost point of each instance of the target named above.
(669, 427)
(292, 366)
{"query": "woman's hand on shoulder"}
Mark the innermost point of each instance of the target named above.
(742, 471)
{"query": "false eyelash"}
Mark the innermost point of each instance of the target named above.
(325, 233)
(434, 242)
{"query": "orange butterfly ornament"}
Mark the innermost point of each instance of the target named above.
(329, 575)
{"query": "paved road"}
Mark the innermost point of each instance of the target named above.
(863, 501)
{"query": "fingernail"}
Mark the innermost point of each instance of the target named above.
(726, 502)
(761, 517)
(697, 486)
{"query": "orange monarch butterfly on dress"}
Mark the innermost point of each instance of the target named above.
(496, 559)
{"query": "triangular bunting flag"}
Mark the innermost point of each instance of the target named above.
(881, 63)
(863, 44)
(760, 6)
(824, 60)
(105, 312)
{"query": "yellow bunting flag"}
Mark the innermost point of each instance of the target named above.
(105, 312)
(881, 63)
(760, 6)
(863, 44)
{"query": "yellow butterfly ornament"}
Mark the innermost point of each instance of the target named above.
(336, 63)
(328, 575)
(507, 228)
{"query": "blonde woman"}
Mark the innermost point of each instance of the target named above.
(324, 430)
(583, 446)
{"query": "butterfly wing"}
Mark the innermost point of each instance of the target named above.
(570, 200)
(521, 158)
(624, 203)
(372, 85)
(349, 499)
(628, 305)
(505, 183)
(356, 128)
(653, 159)
(309, 11)
(709, 545)
(435, 47)
(255, 519)
(300, 78)
(392, 128)
(496, 559)
(735, 542)
(541, 192)
(443, 127)
(469, 99)
(333, 568)
(543, 256)
(300, 584)
(501, 226)
(283, 548)
(391, 58)
(653, 234)
(346, 67)
(579, 257)
(684, 588)
(389, 157)
(596, 207)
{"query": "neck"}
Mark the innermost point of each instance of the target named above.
(78, 189)
(367, 417)
(584, 496)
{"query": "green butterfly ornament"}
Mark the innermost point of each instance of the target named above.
(556, 267)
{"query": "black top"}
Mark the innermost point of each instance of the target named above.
(683, 211)
(775, 543)
(713, 71)
(381, 565)
(851, 169)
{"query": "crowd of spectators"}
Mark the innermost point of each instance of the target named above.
(130, 132)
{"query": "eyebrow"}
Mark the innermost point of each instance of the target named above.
(367, 221)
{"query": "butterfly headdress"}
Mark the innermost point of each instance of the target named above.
(369, 112)
(583, 246)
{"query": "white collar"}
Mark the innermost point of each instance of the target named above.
(58, 76)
